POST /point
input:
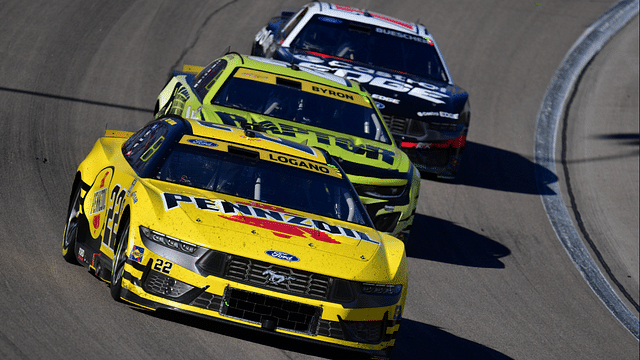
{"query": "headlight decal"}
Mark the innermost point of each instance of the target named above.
(380, 289)
(168, 241)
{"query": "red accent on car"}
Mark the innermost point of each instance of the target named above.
(102, 182)
(377, 16)
(452, 143)
(281, 229)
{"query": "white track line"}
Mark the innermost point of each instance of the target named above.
(585, 48)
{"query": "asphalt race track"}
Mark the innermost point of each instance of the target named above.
(488, 276)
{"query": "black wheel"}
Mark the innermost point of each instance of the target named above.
(71, 228)
(117, 271)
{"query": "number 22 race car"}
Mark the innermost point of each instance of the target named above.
(398, 62)
(239, 226)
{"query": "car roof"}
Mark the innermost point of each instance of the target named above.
(253, 139)
(291, 70)
(368, 17)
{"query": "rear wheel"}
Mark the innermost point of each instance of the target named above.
(71, 229)
(120, 257)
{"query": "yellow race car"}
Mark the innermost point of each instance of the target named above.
(236, 225)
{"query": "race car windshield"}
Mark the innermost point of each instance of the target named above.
(261, 180)
(371, 45)
(285, 99)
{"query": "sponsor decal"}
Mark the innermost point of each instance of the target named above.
(99, 203)
(255, 76)
(133, 183)
(137, 254)
(330, 19)
(281, 255)
(299, 163)
(192, 114)
(202, 142)
(385, 98)
(277, 220)
(280, 129)
(443, 114)
(239, 121)
(394, 82)
(403, 35)
(99, 200)
(332, 93)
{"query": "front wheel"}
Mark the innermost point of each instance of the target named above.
(71, 229)
(120, 257)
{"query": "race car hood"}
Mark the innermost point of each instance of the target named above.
(265, 232)
(395, 93)
(353, 150)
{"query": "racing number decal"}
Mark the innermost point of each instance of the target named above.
(113, 216)
(162, 266)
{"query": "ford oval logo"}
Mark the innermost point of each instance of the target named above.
(281, 255)
(379, 105)
(202, 142)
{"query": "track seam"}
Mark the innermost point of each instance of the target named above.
(197, 37)
(555, 99)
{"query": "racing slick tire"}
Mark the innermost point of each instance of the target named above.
(120, 257)
(71, 229)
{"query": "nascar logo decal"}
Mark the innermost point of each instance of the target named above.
(271, 218)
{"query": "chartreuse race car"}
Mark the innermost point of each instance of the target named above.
(236, 225)
(398, 62)
(308, 107)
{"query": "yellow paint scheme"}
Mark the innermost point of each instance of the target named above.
(352, 252)
(117, 133)
(191, 69)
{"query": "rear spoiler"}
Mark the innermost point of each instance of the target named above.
(117, 133)
(191, 69)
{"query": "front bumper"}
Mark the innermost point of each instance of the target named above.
(149, 284)
(439, 158)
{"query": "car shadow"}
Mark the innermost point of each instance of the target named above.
(488, 167)
(443, 241)
(256, 335)
(625, 139)
(417, 340)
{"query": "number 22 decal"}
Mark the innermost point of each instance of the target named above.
(162, 266)
(113, 216)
